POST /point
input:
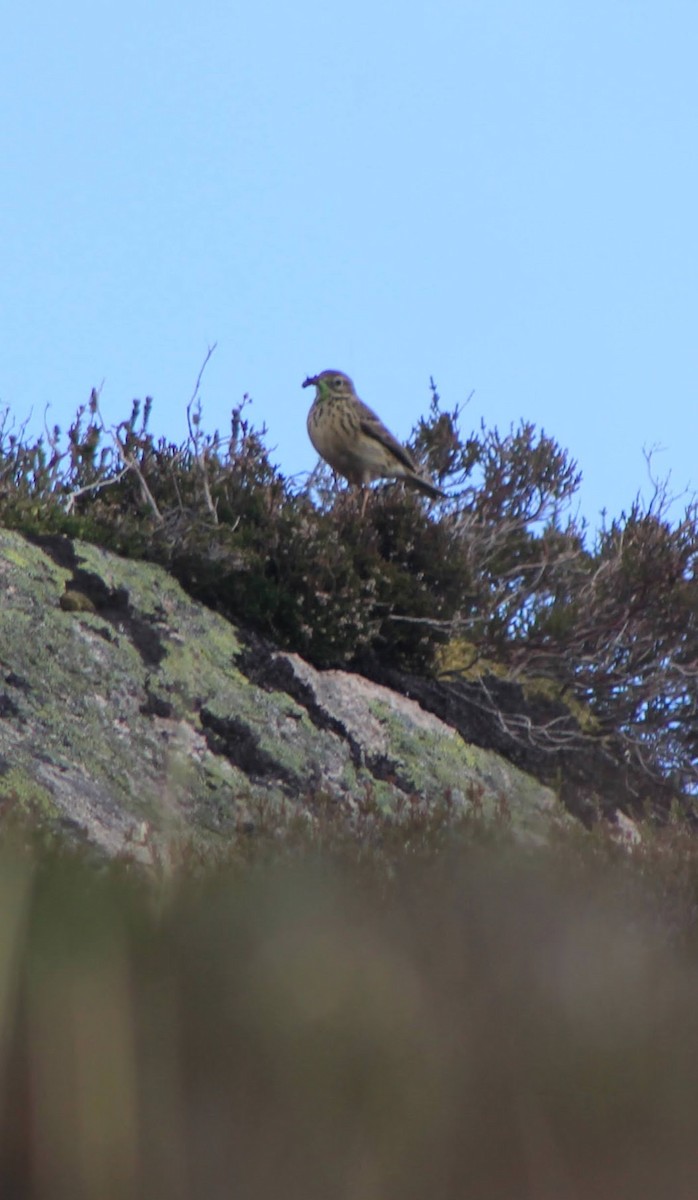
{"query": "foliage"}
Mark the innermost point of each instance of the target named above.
(605, 625)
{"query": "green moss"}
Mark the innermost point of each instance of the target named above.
(72, 601)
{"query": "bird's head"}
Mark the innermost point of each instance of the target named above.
(330, 383)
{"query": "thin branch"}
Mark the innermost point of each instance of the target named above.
(194, 423)
(95, 487)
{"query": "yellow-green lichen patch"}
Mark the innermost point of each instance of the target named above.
(277, 731)
(155, 595)
(33, 579)
(17, 555)
(24, 794)
(436, 760)
(139, 716)
(462, 658)
(13, 554)
(550, 690)
(438, 765)
(198, 666)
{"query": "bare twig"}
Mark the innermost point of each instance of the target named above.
(98, 485)
(194, 422)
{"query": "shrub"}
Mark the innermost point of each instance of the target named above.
(604, 626)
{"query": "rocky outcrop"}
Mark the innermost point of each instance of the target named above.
(133, 717)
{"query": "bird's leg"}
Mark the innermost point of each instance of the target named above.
(366, 492)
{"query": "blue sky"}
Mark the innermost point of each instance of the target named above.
(502, 195)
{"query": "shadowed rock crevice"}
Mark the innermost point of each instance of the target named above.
(8, 708)
(112, 603)
(232, 737)
(138, 721)
(58, 547)
(500, 715)
(273, 671)
(387, 770)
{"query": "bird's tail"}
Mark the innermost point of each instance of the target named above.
(423, 485)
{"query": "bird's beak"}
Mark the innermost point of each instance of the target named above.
(310, 381)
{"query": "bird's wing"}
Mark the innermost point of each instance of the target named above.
(372, 426)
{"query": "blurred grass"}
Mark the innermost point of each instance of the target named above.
(490, 1022)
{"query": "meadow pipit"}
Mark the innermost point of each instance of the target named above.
(354, 441)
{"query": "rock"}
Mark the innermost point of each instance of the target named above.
(142, 722)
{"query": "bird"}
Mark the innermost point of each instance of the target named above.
(354, 440)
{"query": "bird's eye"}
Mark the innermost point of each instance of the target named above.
(339, 381)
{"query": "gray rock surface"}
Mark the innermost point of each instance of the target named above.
(127, 717)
